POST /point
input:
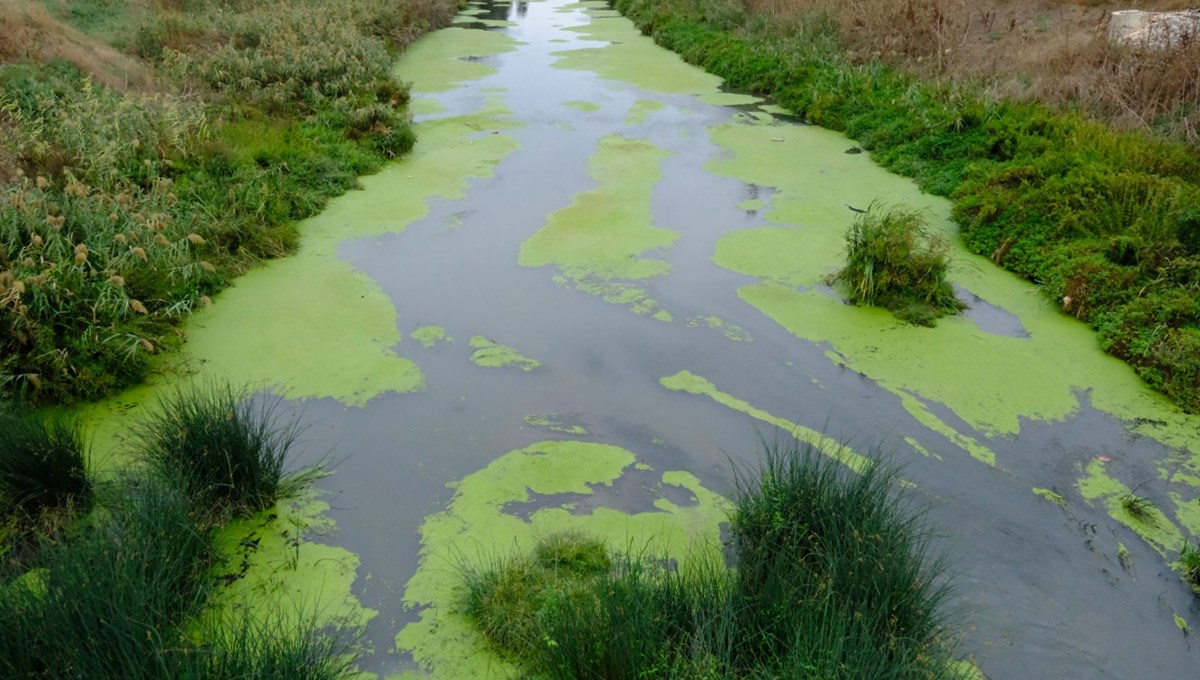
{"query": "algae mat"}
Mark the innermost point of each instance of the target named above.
(593, 286)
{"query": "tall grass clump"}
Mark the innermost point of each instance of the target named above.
(893, 261)
(43, 467)
(107, 599)
(832, 578)
(1189, 565)
(227, 451)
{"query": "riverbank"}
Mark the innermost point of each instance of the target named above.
(1106, 222)
(149, 156)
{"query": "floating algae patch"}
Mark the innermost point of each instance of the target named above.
(321, 328)
(686, 381)
(640, 111)
(586, 107)
(921, 413)
(441, 60)
(475, 528)
(1153, 525)
(752, 205)
(635, 59)
(1052, 496)
(603, 234)
(556, 423)
(275, 572)
(990, 381)
(429, 336)
(729, 330)
(311, 325)
(490, 354)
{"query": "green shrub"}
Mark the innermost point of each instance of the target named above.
(43, 466)
(226, 452)
(892, 261)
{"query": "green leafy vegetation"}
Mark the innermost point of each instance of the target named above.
(833, 578)
(892, 261)
(226, 451)
(1106, 222)
(1189, 564)
(123, 211)
(42, 467)
(121, 592)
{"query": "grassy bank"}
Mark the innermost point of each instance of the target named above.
(125, 204)
(1106, 222)
(833, 579)
(123, 591)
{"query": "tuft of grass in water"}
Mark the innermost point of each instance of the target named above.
(1189, 564)
(227, 452)
(1141, 509)
(833, 579)
(892, 261)
(42, 466)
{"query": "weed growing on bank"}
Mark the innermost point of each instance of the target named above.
(1107, 223)
(894, 262)
(123, 211)
(122, 591)
(43, 467)
(833, 578)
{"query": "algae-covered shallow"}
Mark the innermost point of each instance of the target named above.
(653, 251)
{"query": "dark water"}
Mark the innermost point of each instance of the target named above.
(1040, 589)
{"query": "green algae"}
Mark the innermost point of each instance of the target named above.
(1180, 622)
(1158, 530)
(1051, 495)
(946, 365)
(476, 528)
(728, 99)
(321, 327)
(429, 336)
(776, 109)
(586, 107)
(752, 205)
(605, 232)
(634, 58)
(641, 110)
(686, 381)
(278, 573)
(729, 330)
(921, 413)
(490, 354)
(916, 446)
(438, 61)
(490, 23)
(555, 423)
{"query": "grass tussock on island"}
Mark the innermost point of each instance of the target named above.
(894, 262)
(136, 183)
(832, 578)
(121, 591)
(1106, 221)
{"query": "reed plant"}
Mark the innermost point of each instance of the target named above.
(226, 451)
(1189, 565)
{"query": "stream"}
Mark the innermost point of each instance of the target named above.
(597, 281)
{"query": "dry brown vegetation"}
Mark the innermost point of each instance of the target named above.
(1052, 51)
(29, 32)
